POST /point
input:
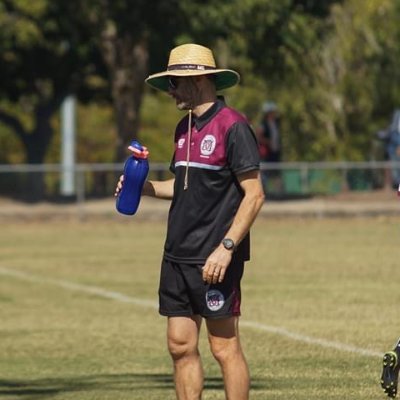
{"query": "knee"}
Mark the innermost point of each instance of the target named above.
(179, 349)
(223, 352)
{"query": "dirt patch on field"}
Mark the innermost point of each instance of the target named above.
(383, 202)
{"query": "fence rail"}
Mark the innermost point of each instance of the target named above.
(107, 167)
(292, 177)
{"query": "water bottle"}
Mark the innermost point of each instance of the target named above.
(135, 173)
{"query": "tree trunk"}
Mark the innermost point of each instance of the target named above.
(127, 63)
(36, 145)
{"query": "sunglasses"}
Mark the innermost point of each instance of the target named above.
(173, 82)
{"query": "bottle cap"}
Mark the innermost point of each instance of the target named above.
(138, 150)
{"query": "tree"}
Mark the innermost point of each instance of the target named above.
(353, 81)
(331, 65)
(275, 46)
(126, 34)
(43, 59)
(94, 49)
(321, 60)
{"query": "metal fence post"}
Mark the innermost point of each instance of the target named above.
(80, 193)
(304, 173)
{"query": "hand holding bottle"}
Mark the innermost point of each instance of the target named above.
(130, 184)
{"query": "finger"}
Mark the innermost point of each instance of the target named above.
(209, 278)
(211, 273)
(221, 275)
(119, 185)
(215, 277)
(205, 270)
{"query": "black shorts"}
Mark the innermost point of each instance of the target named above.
(183, 292)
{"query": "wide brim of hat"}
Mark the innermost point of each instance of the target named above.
(224, 78)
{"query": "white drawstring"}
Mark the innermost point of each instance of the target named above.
(186, 182)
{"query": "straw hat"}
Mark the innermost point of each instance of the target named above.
(192, 60)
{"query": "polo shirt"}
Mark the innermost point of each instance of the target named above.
(223, 146)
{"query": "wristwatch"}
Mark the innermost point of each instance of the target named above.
(229, 244)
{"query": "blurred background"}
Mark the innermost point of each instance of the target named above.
(72, 92)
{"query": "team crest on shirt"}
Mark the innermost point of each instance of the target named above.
(181, 142)
(215, 300)
(207, 145)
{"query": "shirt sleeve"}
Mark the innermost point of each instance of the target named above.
(172, 164)
(242, 149)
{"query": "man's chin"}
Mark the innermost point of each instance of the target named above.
(183, 106)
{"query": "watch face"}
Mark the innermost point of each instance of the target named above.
(228, 244)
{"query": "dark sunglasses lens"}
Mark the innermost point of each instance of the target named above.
(173, 84)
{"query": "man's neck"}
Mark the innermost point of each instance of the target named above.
(202, 108)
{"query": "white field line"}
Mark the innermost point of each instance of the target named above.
(147, 303)
(77, 287)
(311, 340)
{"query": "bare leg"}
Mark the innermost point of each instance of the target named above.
(183, 339)
(223, 335)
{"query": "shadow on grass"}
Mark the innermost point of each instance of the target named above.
(49, 387)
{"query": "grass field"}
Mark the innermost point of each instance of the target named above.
(78, 316)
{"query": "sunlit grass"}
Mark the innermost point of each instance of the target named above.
(333, 279)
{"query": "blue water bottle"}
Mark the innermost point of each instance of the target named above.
(135, 173)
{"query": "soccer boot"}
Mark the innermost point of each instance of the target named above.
(390, 373)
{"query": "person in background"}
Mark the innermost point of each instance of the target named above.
(390, 138)
(394, 148)
(216, 195)
(269, 139)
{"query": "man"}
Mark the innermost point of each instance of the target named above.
(268, 133)
(269, 139)
(216, 195)
(390, 371)
(394, 147)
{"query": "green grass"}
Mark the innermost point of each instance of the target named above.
(333, 279)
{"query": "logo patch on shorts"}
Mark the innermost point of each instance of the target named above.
(215, 300)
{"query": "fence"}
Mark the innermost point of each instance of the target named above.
(36, 182)
(329, 177)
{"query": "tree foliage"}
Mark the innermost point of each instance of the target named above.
(125, 34)
(331, 65)
(348, 90)
(42, 61)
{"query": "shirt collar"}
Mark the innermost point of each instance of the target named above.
(205, 118)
